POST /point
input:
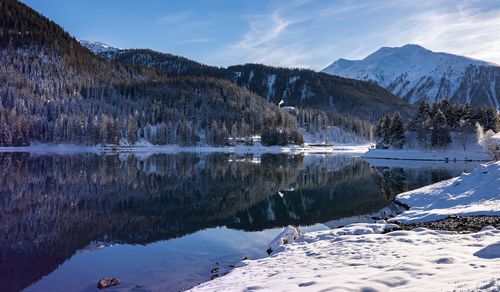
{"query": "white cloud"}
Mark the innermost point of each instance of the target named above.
(465, 32)
(193, 41)
(313, 34)
(174, 17)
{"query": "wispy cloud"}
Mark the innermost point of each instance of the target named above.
(465, 31)
(304, 33)
(194, 41)
(174, 17)
(263, 40)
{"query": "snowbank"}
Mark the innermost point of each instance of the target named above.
(356, 258)
(476, 193)
(429, 155)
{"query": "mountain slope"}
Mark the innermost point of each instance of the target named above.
(56, 91)
(98, 47)
(415, 73)
(310, 89)
(296, 87)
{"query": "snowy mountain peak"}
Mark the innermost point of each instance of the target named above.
(413, 72)
(98, 47)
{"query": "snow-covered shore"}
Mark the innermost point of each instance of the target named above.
(173, 149)
(475, 193)
(358, 258)
(427, 155)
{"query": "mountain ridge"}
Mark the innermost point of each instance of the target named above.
(295, 87)
(415, 73)
(54, 90)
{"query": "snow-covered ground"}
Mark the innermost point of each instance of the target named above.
(475, 193)
(359, 258)
(441, 155)
(148, 148)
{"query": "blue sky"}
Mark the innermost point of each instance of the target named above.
(290, 33)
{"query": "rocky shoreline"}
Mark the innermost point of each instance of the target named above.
(461, 224)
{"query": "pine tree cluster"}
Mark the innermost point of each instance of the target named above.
(432, 126)
(390, 132)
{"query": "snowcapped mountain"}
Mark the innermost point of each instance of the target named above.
(415, 73)
(99, 47)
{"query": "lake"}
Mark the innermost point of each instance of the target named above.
(163, 222)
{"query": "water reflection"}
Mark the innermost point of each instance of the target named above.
(52, 206)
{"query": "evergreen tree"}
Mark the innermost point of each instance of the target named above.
(440, 134)
(421, 123)
(386, 131)
(397, 132)
(115, 134)
(132, 130)
(489, 119)
(451, 113)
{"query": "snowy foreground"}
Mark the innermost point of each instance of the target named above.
(356, 258)
(475, 193)
(360, 257)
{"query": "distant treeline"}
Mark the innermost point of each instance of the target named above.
(432, 125)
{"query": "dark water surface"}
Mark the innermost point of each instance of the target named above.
(163, 222)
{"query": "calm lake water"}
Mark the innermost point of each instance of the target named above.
(163, 222)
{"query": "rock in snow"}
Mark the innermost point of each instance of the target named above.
(107, 282)
(289, 235)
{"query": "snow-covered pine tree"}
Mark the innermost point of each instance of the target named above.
(440, 134)
(132, 130)
(488, 118)
(386, 131)
(421, 122)
(451, 113)
(397, 131)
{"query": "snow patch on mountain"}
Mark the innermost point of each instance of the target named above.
(271, 79)
(415, 73)
(98, 47)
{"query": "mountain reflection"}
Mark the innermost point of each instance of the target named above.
(51, 206)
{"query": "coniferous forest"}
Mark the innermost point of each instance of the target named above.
(432, 126)
(56, 91)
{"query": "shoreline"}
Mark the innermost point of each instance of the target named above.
(460, 224)
(364, 150)
(427, 155)
(174, 149)
(447, 231)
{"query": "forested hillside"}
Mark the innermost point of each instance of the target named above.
(323, 100)
(295, 87)
(53, 90)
